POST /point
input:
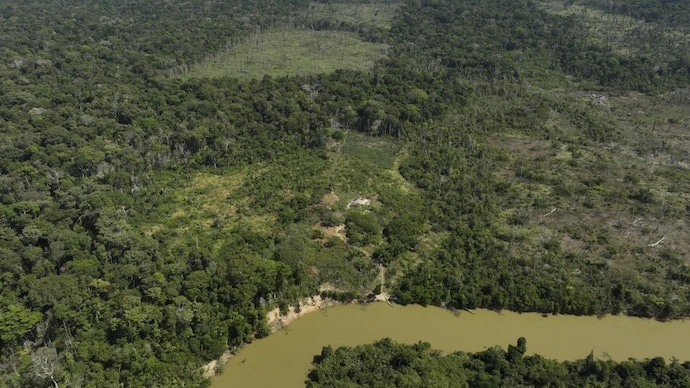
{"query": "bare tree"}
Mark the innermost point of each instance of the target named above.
(45, 362)
(312, 90)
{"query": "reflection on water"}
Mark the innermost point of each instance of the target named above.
(283, 359)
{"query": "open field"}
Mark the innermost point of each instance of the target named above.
(380, 152)
(375, 14)
(290, 52)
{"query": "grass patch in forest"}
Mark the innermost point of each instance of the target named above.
(207, 202)
(290, 52)
(216, 203)
(375, 14)
(378, 151)
(403, 184)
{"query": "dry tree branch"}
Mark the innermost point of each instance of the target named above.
(549, 213)
(657, 243)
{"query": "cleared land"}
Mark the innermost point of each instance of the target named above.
(620, 203)
(291, 52)
(625, 35)
(375, 14)
(602, 184)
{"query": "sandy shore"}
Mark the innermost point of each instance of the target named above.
(210, 368)
(276, 322)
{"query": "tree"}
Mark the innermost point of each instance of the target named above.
(86, 160)
(46, 365)
(15, 322)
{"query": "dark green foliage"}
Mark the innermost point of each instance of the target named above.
(343, 297)
(388, 364)
(362, 227)
(673, 13)
(519, 30)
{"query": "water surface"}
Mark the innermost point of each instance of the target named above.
(284, 358)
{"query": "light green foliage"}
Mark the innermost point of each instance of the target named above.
(378, 13)
(291, 52)
(378, 152)
(15, 322)
(627, 35)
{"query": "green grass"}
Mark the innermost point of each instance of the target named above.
(380, 152)
(290, 52)
(215, 204)
(206, 203)
(379, 15)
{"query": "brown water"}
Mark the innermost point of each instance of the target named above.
(284, 358)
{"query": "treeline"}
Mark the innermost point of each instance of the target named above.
(389, 364)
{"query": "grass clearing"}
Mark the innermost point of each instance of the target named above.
(257, 198)
(208, 201)
(375, 14)
(378, 151)
(291, 52)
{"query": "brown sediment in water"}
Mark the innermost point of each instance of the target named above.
(288, 355)
(277, 322)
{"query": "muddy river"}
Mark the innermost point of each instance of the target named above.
(284, 358)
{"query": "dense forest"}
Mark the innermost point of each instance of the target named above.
(389, 364)
(150, 217)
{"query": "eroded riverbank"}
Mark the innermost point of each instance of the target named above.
(276, 322)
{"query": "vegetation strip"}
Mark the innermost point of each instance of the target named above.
(388, 364)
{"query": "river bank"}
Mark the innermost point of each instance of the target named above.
(278, 321)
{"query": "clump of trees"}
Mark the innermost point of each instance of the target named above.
(386, 363)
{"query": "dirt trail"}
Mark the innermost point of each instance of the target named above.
(383, 296)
